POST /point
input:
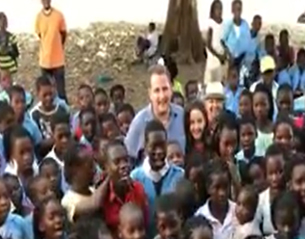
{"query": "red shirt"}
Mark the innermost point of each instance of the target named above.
(112, 204)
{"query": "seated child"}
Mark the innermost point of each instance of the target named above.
(197, 227)
(175, 154)
(178, 99)
(14, 188)
(88, 124)
(131, 222)
(244, 223)
(124, 115)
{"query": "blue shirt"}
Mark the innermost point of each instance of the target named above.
(232, 99)
(297, 78)
(253, 51)
(14, 227)
(134, 139)
(283, 77)
(29, 224)
(30, 125)
(237, 43)
(299, 104)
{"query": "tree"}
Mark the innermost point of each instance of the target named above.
(181, 32)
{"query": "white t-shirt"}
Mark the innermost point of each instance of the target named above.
(154, 41)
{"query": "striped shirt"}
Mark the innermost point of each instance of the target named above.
(8, 52)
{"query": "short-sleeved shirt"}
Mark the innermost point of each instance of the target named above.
(14, 227)
(49, 27)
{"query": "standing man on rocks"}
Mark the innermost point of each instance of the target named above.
(51, 29)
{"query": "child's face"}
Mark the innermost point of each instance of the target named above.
(124, 120)
(132, 227)
(287, 224)
(14, 188)
(46, 96)
(85, 173)
(284, 136)
(284, 39)
(102, 152)
(198, 124)
(244, 211)
(118, 97)
(85, 98)
(247, 136)
(261, 106)
(268, 77)
(219, 189)
(62, 136)
(257, 177)
(275, 171)
(213, 107)
(8, 121)
(88, 125)
(51, 172)
(298, 181)
(245, 106)
(285, 102)
(201, 233)
(52, 221)
(192, 92)
(110, 129)
(156, 149)
(257, 24)
(42, 190)
(227, 143)
(175, 155)
(178, 101)
(269, 45)
(101, 104)
(236, 10)
(5, 79)
(118, 165)
(233, 78)
(301, 61)
(18, 104)
(169, 225)
(4, 202)
(23, 154)
(218, 10)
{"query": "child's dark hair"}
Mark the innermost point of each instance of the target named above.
(234, 2)
(193, 223)
(287, 202)
(269, 36)
(253, 198)
(152, 25)
(284, 32)
(188, 83)
(214, 168)
(257, 17)
(5, 109)
(16, 89)
(261, 88)
(153, 126)
(107, 117)
(85, 86)
(72, 159)
(167, 203)
(301, 52)
(117, 87)
(29, 189)
(125, 107)
(247, 120)
(48, 161)
(9, 137)
(88, 110)
(7, 177)
(60, 117)
(295, 160)
(100, 91)
(43, 80)
(283, 119)
(83, 229)
(284, 88)
(38, 214)
(212, 8)
(273, 150)
(247, 93)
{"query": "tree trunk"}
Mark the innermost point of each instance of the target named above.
(181, 32)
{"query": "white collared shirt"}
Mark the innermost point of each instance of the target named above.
(263, 212)
(275, 87)
(242, 231)
(153, 175)
(220, 230)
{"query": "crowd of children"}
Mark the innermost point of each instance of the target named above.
(224, 160)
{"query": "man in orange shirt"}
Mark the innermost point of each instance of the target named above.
(51, 29)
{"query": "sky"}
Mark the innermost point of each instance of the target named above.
(79, 13)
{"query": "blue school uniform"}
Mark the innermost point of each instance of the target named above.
(232, 99)
(299, 104)
(283, 77)
(237, 43)
(30, 125)
(29, 225)
(297, 78)
(4, 96)
(14, 227)
(254, 49)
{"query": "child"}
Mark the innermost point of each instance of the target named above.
(191, 90)
(175, 154)
(50, 169)
(216, 55)
(85, 100)
(13, 186)
(219, 210)
(109, 126)
(18, 102)
(9, 52)
(178, 99)
(275, 165)
(61, 136)
(124, 115)
(232, 90)
(263, 110)
(100, 149)
(283, 69)
(298, 74)
(257, 174)
(269, 47)
(88, 124)
(245, 104)
(286, 216)
(284, 134)
(284, 49)
(43, 112)
(12, 225)
(245, 224)
(101, 102)
(121, 189)
(195, 125)
(48, 220)
(197, 227)
(132, 223)
(155, 174)
(168, 217)
(284, 99)
(117, 96)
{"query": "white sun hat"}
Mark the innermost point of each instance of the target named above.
(214, 90)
